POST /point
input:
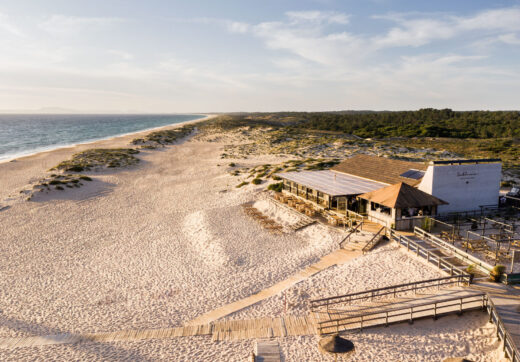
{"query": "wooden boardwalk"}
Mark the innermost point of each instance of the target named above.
(506, 300)
(407, 309)
(291, 325)
(337, 257)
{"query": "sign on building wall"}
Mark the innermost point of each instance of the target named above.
(465, 187)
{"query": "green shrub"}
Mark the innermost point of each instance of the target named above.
(426, 224)
(242, 184)
(59, 188)
(497, 272)
(256, 181)
(232, 164)
(471, 269)
(276, 178)
(278, 187)
(86, 178)
(99, 157)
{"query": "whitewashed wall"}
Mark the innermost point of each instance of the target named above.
(465, 187)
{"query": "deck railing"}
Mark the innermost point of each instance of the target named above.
(373, 242)
(458, 253)
(393, 291)
(509, 347)
(423, 252)
(404, 313)
(354, 215)
(351, 232)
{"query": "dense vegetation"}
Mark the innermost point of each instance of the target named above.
(426, 122)
(422, 123)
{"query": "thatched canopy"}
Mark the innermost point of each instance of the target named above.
(336, 344)
(400, 196)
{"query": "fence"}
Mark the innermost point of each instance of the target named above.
(358, 226)
(425, 253)
(458, 253)
(409, 313)
(509, 347)
(373, 242)
(393, 290)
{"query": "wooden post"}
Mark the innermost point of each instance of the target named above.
(435, 311)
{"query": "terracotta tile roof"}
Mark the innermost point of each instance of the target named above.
(380, 169)
(402, 196)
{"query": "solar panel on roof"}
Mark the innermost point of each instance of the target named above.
(413, 174)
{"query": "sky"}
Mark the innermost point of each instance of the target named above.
(269, 55)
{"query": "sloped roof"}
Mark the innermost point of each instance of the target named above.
(332, 183)
(380, 169)
(401, 196)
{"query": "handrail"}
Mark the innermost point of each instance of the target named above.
(393, 289)
(372, 242)
(350, 233)
(385, 314)
(425, 253)
(357, 215)
(460, 254)
(514, 353)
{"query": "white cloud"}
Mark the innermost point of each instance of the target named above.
(121, 54)
(499, 19)
(7, 26)
(238, 27)
(72, 25)
(415, 33)
(330, 17)
(420, 29)
(509, 38)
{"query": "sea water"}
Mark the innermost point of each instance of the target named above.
(27, 134)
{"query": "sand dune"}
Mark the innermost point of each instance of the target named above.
(159, 244)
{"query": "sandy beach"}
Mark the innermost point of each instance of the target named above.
(160, 243)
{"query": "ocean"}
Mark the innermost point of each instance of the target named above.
(23, 134)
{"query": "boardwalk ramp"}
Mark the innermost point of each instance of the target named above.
(398, 311)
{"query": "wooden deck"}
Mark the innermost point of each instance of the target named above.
(506, 300)
(292, 325)
(405, 309)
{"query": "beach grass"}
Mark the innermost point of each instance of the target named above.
(99, 158)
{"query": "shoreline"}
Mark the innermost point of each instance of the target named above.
(59, 147)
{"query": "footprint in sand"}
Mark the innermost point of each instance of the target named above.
(204, 244)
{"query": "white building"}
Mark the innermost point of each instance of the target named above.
(465, 184)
